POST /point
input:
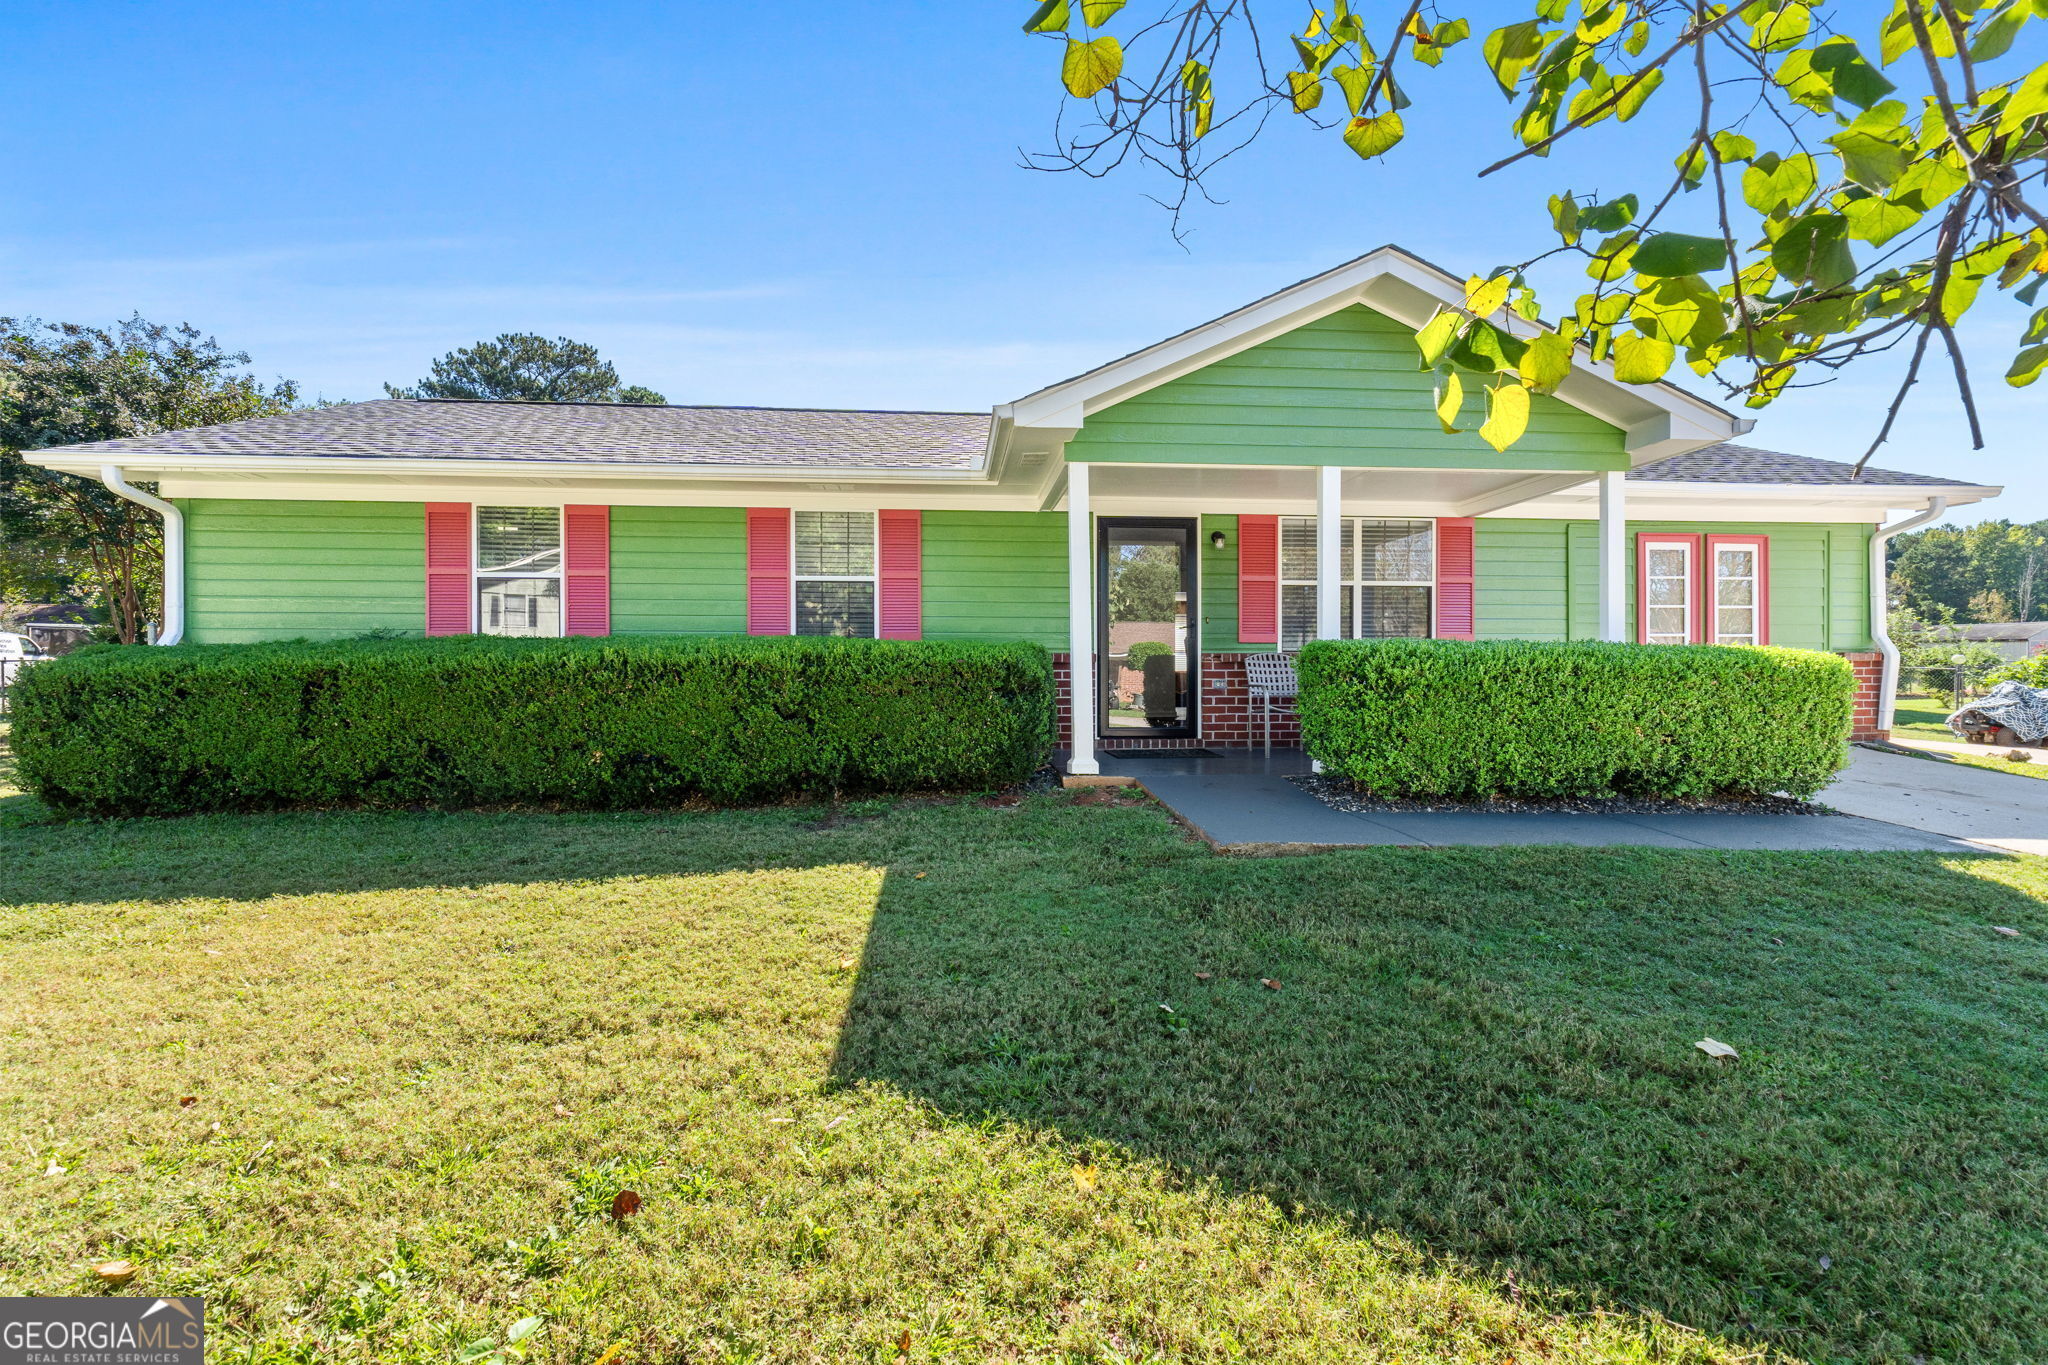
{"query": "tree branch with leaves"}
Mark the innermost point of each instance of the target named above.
(1870, 169)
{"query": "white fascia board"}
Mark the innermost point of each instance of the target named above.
(583, 471)
(811, 495)
(1410, 291)
(1669, 500)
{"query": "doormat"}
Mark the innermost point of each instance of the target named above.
(1159, 753)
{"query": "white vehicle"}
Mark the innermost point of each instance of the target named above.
(19, 649)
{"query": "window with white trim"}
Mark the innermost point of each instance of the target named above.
(519, 571)
(1387, 572)
(1736, 570)
(835, 573)
(1667, 589)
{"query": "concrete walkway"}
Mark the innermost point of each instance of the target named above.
(1999, 809)
(1241, 801)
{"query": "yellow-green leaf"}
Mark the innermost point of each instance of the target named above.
(1436, 336)
(1050, 17)
(1636, 92)
(1373, 136)
(1485, 297)
(1091, 67)
(1097, 12)
(1771, 185)
(1507, 415)
(1641, 359)
(2027, 366)
(1546, 363)
(1307, 90)
(1877, 220)
(1450, 397)
(1354, 81)
(1781, 27)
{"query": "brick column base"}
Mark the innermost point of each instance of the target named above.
(1869, 678)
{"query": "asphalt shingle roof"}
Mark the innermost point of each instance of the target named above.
(1729, 463)
(600, 433)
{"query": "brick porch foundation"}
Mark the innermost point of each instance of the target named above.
(1230, 718)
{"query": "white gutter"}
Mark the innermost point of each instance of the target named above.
(174, 549)
(1880, 608)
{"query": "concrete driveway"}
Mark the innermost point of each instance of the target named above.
(1999, 809)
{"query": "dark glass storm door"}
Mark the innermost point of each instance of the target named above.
(1145, 627)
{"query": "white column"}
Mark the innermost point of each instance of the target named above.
(1329, 551)
(1613, 556)
(1081, 622)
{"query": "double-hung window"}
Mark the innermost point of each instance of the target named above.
(1668, 579)
(1387, 570)
(519, 570)
(1735, 583)
(835, 573)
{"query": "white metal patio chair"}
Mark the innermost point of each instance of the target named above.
(1270, 678)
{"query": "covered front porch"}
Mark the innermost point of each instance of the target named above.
(1165, 561)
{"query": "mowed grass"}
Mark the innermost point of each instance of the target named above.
(954, 1081)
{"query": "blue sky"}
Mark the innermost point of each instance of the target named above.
(737, 204)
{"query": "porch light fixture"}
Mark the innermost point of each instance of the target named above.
(1217, 540)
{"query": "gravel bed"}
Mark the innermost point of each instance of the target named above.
(1339, 794)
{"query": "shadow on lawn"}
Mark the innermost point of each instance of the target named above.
(1442, 1045)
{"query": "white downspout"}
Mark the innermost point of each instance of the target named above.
(174, 549)
(1880, 608)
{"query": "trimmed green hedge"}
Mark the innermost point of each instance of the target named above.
(589, 723)
(1519, 718)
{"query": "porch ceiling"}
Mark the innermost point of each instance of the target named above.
(1169, 489)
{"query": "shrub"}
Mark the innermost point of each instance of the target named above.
(2033, 671)
(590, 723)
(1524, 719)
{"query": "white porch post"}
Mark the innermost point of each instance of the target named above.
(1080, 623)
(1329, 551)
(1613, 556)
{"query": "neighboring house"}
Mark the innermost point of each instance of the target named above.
(1195, 468)
(58, 627)
(2012, 639)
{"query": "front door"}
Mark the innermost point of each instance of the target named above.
(1145, 627)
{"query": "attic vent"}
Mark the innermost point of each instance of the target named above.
(1030, 459)
(831, 488)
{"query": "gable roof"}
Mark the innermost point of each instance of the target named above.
(2002, 630)
(1657, 419)
(594, 433)
(1730, 463)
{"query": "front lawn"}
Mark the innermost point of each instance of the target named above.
(957, 1081)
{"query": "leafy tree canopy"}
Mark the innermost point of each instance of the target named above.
(1993, 571)
(60, 384)
(527, 368)
(1851, 177)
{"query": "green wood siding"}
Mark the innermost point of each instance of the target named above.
(1342, 390)
(996, 576)
(679, 570)
(1540, 580)
(260, 570)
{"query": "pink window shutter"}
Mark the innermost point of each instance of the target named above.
(1457, 572)
(899, 581)
(768, 577)
(587, 570)
(1258, 580)
(448, 568)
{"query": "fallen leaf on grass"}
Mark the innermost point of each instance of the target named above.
(1269, 983)
(1087, 1178)
(115, 1272)
(845, 964)
(903, 1343)
(54, 1168)
(188, 1101)
(625, 1206)
(2007, 932)
(1827, 1263)
(1205, 976)
(782, 1120)
(919, 877)
(1714, 1049)
(836, 1122)
(613, 1352)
